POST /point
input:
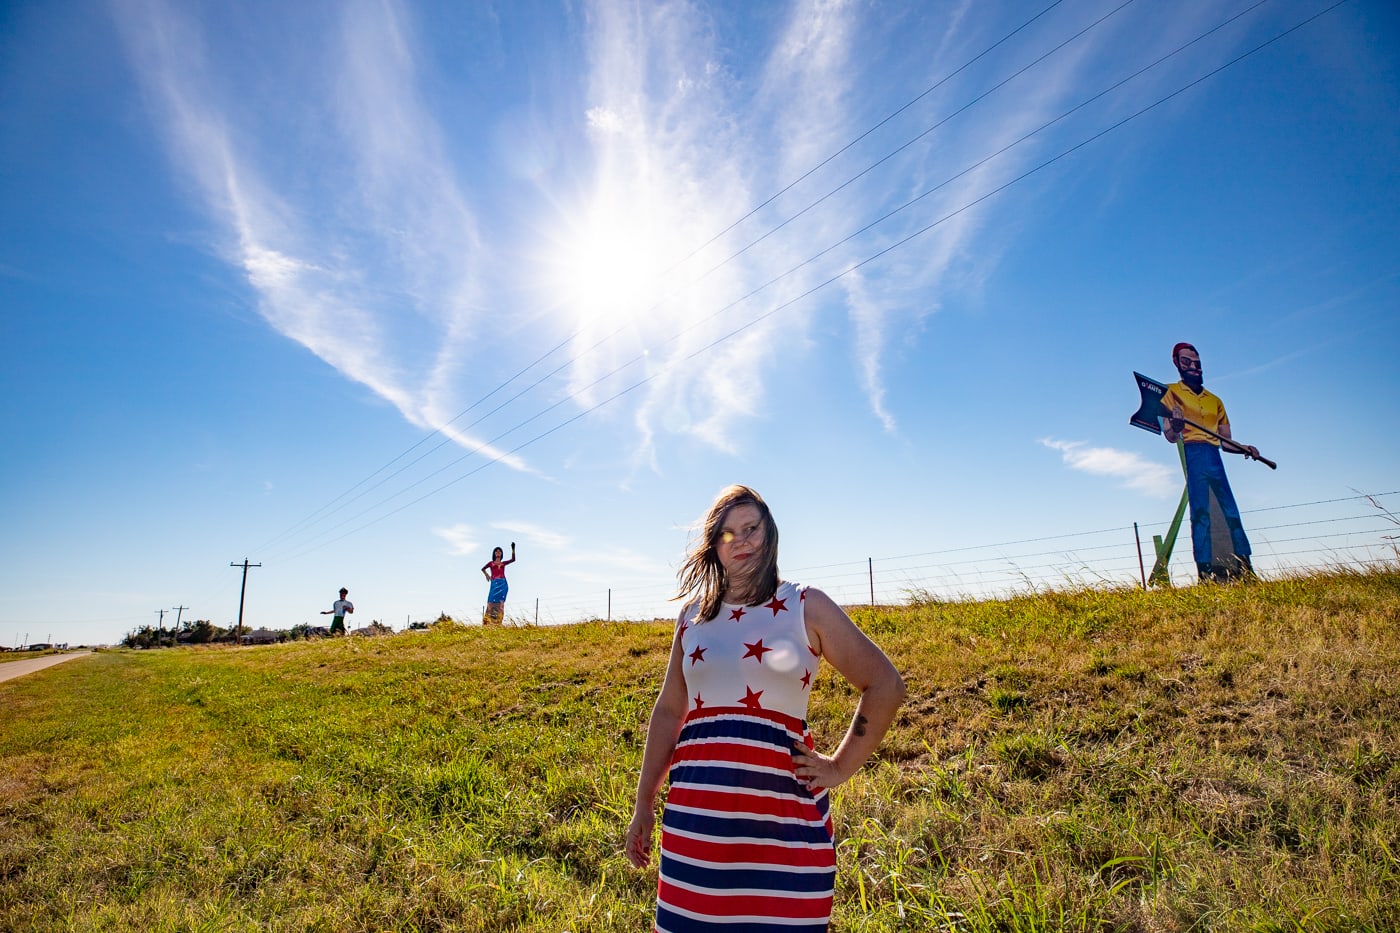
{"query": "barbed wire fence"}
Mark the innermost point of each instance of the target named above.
(1353, 532)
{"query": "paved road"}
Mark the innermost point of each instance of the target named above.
(11, 669)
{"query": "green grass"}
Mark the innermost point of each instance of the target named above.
(1205, 759)
(29, 655)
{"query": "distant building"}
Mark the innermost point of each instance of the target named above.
(262, 636)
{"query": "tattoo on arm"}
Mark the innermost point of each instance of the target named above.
(858, 727)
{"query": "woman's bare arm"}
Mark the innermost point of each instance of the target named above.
(664, 728)
(835, 637)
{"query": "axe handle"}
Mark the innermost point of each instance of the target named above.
(1238, 447)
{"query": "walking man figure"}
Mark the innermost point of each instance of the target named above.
(338, 610)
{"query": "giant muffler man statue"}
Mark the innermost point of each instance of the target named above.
(1195, 421)
(1196, 416)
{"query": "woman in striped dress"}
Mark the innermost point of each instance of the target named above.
(746, 837)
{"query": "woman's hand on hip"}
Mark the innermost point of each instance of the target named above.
(815, 769)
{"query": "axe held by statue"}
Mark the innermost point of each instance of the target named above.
(1152, 410)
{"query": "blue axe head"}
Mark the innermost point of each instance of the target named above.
(1151, 408)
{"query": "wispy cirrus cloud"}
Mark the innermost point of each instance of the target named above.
(334, 197)
(535, 534)
(1125, 467)
(462, 540)
(590, 564)
(662, 93)
(673, 128)
(341, 194)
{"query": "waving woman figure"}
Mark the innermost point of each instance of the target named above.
(495, 572)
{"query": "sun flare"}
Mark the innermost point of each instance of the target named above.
(607, 267)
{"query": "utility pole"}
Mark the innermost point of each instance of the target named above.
(238, 632)
(179, 612)
(160, 627)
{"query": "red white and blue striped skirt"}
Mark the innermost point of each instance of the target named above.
(745, 846)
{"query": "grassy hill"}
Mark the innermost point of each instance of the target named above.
(1213, 758)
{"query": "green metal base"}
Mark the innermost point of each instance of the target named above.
(1160, 575)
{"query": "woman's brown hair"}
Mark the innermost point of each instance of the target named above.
(702, 577)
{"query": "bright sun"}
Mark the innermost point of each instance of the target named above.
(606, 266)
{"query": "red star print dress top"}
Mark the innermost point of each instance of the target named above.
(745, 846)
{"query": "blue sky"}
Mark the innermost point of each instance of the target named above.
(359, 290)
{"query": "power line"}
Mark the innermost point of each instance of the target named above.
(883, 562)
(851, 574)
(290, 530)
(883, 159)
(807, 174)
(852, 268)
(548, 353)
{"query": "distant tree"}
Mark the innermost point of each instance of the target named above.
(202, 632)
(445, 621)
(148, 636)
